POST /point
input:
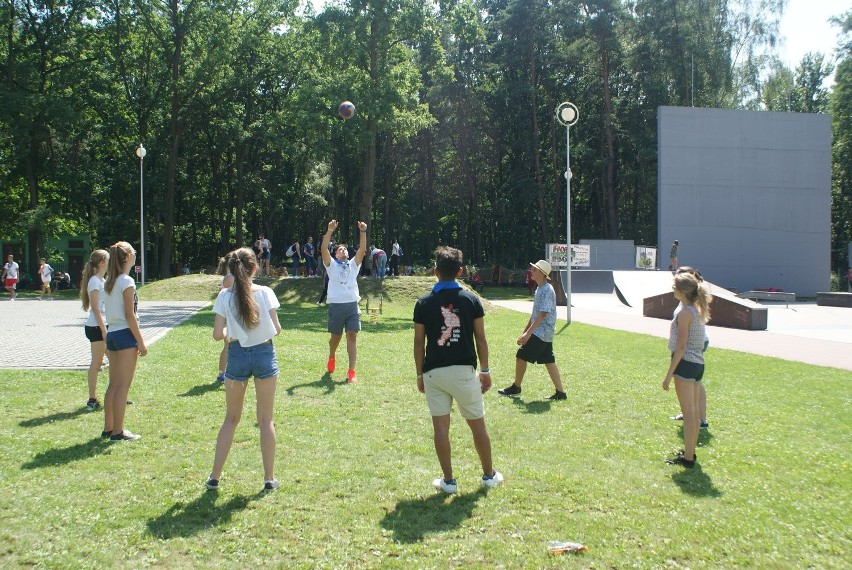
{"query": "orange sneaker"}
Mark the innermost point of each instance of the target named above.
(330, 365)
(350, 376)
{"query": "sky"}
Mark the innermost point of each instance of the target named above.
(805, 28)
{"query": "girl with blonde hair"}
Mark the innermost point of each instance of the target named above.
(92, 298)
(245, 314)
(686, 343)
(124, 341)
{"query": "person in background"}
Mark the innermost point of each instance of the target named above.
(310, 261)
(673, 256)
(396, 252)
(10, 276)
(45, 273)
(380, 261)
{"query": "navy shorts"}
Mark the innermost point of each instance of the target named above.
(689, 371)
(94, 334)
(244, 362)
(537, 351)
(120, 340)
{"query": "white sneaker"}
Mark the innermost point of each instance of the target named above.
(493, 481)
(447, 487)
(271, 485)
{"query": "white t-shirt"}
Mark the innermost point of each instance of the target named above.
(96, 283)
(343, 282)
(114, 303)
(46, 272)
(265, 244)
(225, 306)
(11, 270)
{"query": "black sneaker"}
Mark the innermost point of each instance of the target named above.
(124, 436)
(512, 390)
(271, 485)
(106, 434)
(557, 396)
(212, 484)
(93, 404)
(681, 460)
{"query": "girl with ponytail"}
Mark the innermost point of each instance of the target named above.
(124, 341)
(686, 343)
(245, 314)
(92, 297)
(227, 283)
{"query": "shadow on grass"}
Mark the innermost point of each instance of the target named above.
(411, 520)
(57, 417)
(705, 438)
(188, 519)
(696, 482)
(532, 406)
(66, 455)
(201, 389)
(326, 383)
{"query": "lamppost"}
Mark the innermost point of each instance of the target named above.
(141, 152)
(567, 115)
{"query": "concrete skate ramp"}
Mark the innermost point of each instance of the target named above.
(726, 309)
(591, 281)
(635, 286)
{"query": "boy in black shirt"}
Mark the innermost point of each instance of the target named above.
(446, 323)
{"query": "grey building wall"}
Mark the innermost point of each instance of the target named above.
(748, 196)
(610, 253)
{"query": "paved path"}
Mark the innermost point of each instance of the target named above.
(49, 334)
(803, 332)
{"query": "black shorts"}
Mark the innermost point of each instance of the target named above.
(94, 334)
(687, 370)
(537, 351)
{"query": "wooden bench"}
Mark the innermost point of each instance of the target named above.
(768, 296)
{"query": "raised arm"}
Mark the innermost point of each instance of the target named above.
(362, 244)
(326, 240)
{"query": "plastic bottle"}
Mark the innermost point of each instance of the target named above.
(559, 547)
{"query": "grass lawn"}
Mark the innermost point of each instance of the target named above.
(771, 490)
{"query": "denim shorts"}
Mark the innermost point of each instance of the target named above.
(244, 362)
(120, 340)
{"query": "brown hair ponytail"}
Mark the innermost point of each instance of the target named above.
(95, 259)
(118, 254)
(243, 263)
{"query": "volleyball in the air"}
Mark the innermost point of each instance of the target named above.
(346, 110)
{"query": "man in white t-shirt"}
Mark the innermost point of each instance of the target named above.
(343, 296)
(45, 272)
(10, 276)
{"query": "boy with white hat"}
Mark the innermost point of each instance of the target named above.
(537, 340)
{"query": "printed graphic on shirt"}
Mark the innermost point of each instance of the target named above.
(343, 275)
(450, 332)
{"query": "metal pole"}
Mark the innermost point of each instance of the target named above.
(568, 221)
(141, 259)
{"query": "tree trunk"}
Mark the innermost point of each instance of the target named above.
(608, 178)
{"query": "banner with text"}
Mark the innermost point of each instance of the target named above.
(581, 255)
(646, 257)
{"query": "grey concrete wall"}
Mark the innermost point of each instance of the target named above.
(748, 196)
(610, 253)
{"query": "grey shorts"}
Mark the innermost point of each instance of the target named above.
(342, 315)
